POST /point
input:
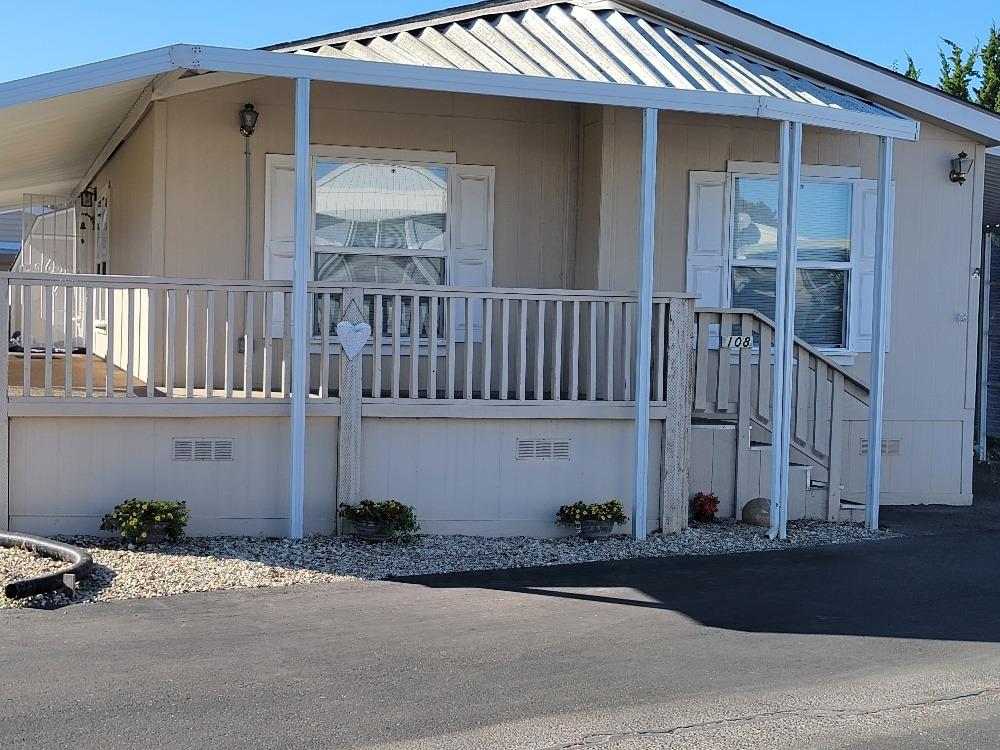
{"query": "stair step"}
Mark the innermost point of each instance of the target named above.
(852, 512)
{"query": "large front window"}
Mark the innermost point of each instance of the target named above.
(381, 223)
(824, 254)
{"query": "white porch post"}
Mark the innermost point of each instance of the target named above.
(300, 308)
(880, 323)
(644, 341)
(790, 169)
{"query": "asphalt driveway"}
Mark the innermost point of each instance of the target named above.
(889, 644)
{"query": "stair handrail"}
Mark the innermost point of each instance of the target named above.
(858, 390)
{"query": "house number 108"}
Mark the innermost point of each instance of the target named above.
(739, 342)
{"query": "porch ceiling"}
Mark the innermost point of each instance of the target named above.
(583, 41)
(47, 145)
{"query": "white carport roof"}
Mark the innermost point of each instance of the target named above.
(56, 128)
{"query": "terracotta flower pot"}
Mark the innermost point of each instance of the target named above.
(368, 531)
(596, 531)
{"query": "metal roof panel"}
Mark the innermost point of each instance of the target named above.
(577, 40)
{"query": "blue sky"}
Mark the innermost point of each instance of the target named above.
(69, 33)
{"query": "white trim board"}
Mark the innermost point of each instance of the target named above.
(369, 153)
(90, 76)
(808, 170)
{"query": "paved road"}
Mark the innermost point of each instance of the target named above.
(888, 645)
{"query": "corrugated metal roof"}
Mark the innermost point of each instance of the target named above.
(581, 41)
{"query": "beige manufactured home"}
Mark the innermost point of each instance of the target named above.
(489, 261)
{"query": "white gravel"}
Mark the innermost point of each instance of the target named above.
(209, 564)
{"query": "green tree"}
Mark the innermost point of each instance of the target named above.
(989, 93)
(912, 71)
(957, 70)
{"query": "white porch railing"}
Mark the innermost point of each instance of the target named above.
(194, 339)
(523, 345)
(160, 337)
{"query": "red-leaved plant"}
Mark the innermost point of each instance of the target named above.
(706, 505)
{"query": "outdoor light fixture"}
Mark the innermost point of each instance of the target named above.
(87, 197)
(960, 168)
(248, 120)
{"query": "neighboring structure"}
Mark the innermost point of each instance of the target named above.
(990, 389)
(10, 238)
(489, 261)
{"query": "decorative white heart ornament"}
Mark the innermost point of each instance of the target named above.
(353, 337)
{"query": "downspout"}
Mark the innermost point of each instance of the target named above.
(248, 125)
(984, 346)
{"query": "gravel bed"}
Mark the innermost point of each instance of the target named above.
(209, 564)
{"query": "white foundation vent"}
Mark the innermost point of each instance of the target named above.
(890, 446)
(543, 449)
(202, 449)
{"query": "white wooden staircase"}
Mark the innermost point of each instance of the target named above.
(731, 418)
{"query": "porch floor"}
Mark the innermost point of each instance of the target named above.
(15, 375)
(119, 388)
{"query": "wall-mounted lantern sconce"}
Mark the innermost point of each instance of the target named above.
(248, 120)
(87, 197)
(960, 168)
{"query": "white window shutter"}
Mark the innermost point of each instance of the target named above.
(707, 273)
(863, 236)
(471, 219)
(279, 230)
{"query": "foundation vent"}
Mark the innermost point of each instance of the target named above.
(202, 449)
(542, 449)
(890, 446)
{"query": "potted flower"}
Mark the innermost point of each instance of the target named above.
(380, 520)
(147, 521)
(595, 520)
(706, 505)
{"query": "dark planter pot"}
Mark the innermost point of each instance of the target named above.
(157, 533)
(367, 531)
(596, 531)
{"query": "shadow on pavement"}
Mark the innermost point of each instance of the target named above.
(941, 582)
